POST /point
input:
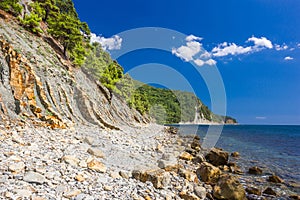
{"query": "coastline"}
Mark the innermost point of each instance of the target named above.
(289, 185)
(140, 162)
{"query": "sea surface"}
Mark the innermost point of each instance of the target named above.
(275, 148)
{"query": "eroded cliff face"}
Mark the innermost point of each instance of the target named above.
(38, 85)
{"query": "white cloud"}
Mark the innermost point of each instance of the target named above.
(288, 58)
(298, 45)
(187, 52)
(261, 42)
(211, 62)
(205, 55)
(192, 51)
(281, 47)
(112, 43)
(225, 49)
(193, 38)
(199, 62)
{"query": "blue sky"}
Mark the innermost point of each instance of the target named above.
(255, 45)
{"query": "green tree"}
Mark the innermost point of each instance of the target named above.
(11, 6)
(66, 29)
(45, 8)
(67, 7)
(111, 75)
(139, 102)
(32, 22)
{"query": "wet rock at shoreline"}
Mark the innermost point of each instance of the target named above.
(196, 145)
(255, 170)
(208, 173)
(199, 158)
(275, 179)
(296, 197)
(235, 154)
(171, 130)
(270, 191)
(217, 157)
(228, 187)
(233, 168)
(253, 190)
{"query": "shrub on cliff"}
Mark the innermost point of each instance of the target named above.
(11, 6)
(45, 9)
(111, 75)
(32, 23)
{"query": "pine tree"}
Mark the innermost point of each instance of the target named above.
(11, 6)
(45, 9)
(67, 7)
(67, 30)
(32, 23)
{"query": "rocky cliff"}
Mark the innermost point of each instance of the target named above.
(39, 86)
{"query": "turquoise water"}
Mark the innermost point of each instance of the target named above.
(275, 148)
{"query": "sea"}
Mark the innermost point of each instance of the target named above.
(274, 148)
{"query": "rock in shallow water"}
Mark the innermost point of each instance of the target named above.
(235, 154)
(253, 190)
(217, 157)
(270, 191)
(275, 179)
(255, 170)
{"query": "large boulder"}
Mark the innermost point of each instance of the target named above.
(270, 191)
(275, 179)
(217, 157)
(235, 154)
(186, 156)
(196, 144)
(168, 162)
(255, 170)
(253, 190)
(233, 168)
(208, 173)
(158, 177)
(188, 175)
(199, 158)
(228, 187)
